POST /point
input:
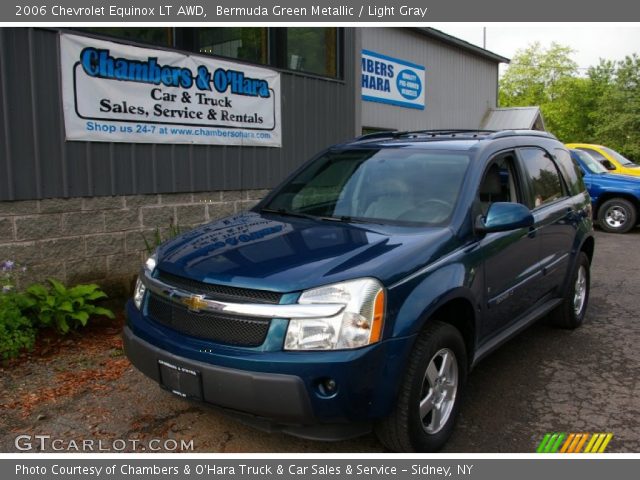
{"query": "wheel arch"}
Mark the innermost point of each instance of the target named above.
(606, 196)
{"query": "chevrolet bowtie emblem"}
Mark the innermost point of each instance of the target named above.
(195, 303)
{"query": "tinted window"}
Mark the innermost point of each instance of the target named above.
(570, 171)
(389, 185)
(498, 184)
(589, 162)
(594, 153)
(621, 160)
(546, 185)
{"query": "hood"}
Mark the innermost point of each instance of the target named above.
(286, 254)
(614, 180)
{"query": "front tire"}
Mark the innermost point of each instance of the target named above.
(570, 314)
(617, 215)
(430, 393)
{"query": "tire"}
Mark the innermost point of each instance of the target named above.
(617, 215)
(406, 430)
(570, 314)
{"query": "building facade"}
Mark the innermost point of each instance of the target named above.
(88, 210)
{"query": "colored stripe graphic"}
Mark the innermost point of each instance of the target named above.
(574, 443)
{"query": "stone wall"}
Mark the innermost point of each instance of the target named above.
(102, 239)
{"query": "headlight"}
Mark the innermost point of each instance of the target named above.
(138, 293)
(150, 264)
(359, 324)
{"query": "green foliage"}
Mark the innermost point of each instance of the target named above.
(65, 308)
(617, 120)
(16, 330)
(158, 237)
(600, 107)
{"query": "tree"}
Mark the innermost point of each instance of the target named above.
(617, 118)
(549, 78)
(534, 75)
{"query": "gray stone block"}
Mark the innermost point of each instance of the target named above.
(232, 195)
(135, 241)
(60, 205)
(62, 249)
(176, 198)
(38, 227)
(87, 270)
(158, 216)
(81, 223)
(191, 214)
(105, 244)
(123, 265)
(103, 203)
(119, 220)
(41, 272)
(24, 253)
(256, 194)
(135, 201)
(207, 197)
(22, 207)
(6, 229)
(220, 210)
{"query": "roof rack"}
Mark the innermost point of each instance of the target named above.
(453, 132)
(450, 131)
(430, 133)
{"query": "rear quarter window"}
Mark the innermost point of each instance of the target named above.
(570, 171)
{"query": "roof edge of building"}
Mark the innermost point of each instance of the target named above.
(457, 42)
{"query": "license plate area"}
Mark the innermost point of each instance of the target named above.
(183, 381)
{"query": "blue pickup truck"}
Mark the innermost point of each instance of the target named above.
(615, 198)
(360, 293)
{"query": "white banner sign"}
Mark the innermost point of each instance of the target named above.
(120, 93)
(391, 80)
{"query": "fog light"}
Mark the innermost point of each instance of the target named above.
(326, 386)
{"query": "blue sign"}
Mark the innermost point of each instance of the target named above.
(393, 81)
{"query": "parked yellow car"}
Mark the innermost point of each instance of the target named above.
(610, 159)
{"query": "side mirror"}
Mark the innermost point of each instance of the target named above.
(608, 165)
(504, 216)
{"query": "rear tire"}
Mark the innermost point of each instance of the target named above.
(570, 314)
(617, 215)
(430, 393)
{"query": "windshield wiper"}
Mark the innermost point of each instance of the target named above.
(348, 219)
(288, 213)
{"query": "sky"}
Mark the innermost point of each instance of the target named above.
(591, 41)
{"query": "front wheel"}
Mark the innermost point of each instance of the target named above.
(617, 215)
(430, 393)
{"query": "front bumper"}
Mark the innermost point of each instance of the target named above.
(277, 390)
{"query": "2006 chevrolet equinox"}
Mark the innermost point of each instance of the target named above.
(362, 290)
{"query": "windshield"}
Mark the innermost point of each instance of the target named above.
(589, 162)
(390, 185)
(620, 159)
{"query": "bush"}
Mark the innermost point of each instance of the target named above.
(17, 332)
(65, 308)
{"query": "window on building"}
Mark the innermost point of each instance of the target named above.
(244, 43)
(545, 181)
(154, 36)
(312, 50)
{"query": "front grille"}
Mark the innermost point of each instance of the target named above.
(232, 330)
(219, 292)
